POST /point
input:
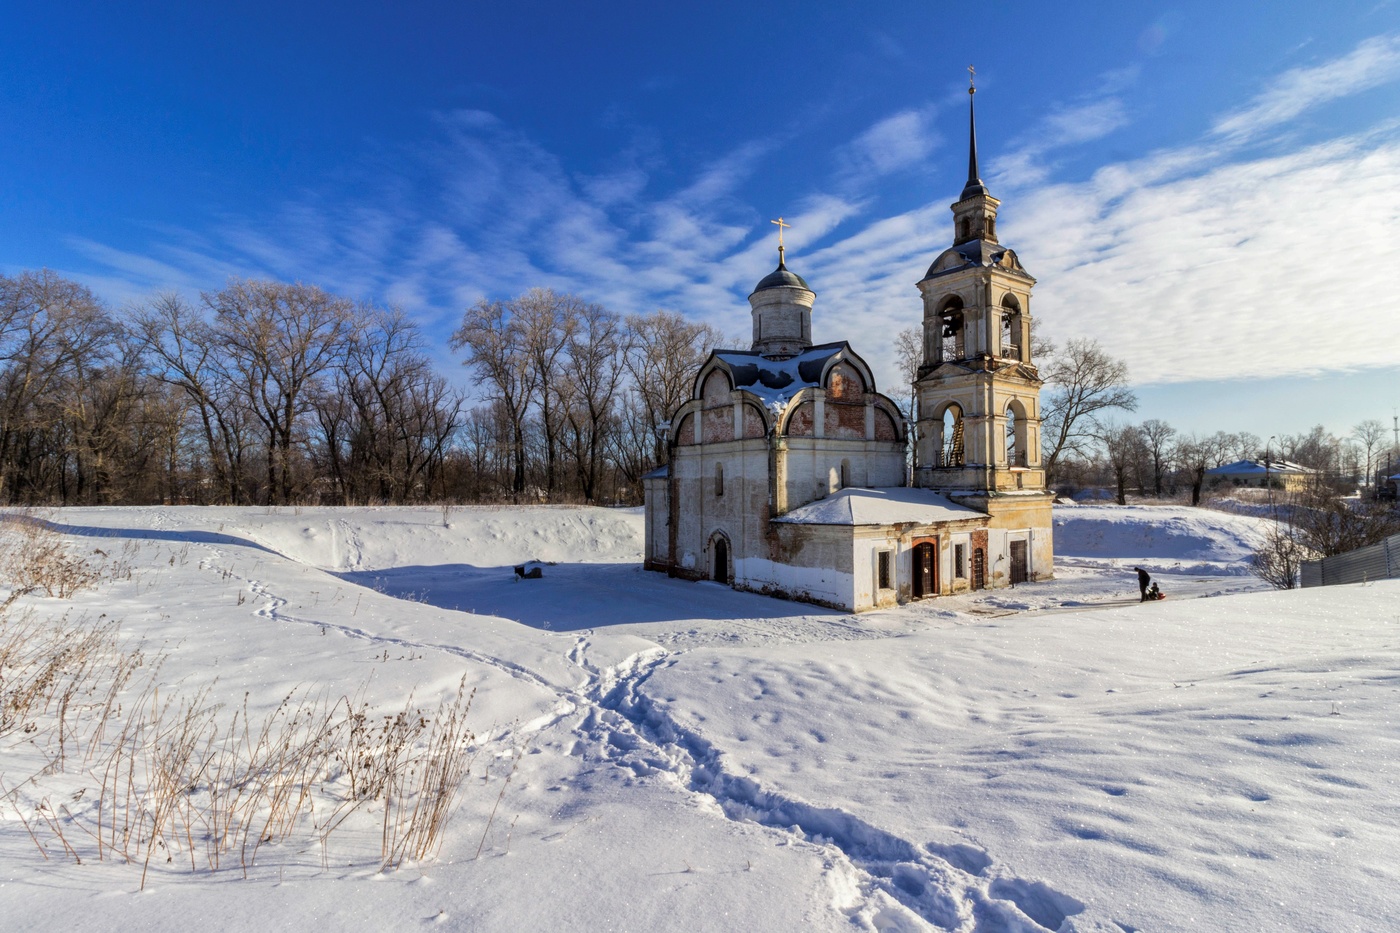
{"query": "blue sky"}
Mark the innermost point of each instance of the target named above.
(1211, 190)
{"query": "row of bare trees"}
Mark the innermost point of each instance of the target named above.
(266, 392)
(580, 394)
(261, 392)
(1153, 459)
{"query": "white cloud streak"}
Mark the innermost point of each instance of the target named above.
(1374, 62)
(1187, 264)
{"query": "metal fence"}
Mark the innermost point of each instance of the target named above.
(1373, 562)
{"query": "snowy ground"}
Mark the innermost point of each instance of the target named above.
(1053, 757)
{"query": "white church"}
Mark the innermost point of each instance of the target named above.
(788, 470)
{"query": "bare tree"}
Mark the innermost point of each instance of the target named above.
(1328, 524)
(1157, 437)
(1316, 450)
(53, 333)
(387, 418)
(594, 375)
(548, 321)
(1370, 436)
(1083, 381)
(497, 352)
(280, 339)
(666, 351)
(1279, 560)
(1123, 447)
(188, 355)
(1196, 454)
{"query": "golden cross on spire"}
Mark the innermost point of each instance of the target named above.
(781, 225)
(971, 80)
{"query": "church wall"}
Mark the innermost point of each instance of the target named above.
(812, 466)
(808, 562)
(740, 514)
(1025, 517)
(657, 491)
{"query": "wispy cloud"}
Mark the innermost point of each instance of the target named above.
(1069, 126)
(1190, 263)
(1374, 62)
(1263, 268)
(897, 142)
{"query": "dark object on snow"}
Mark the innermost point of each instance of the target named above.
(1143, 578)
(1153, 594)
(530, 571)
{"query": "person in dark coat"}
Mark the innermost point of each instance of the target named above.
(1143, 578)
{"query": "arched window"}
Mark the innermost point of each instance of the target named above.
(1017, 452)
(951, 329)
(949, 443)
(845, 473)
(964, 228)
(1012, 451)
(1011, 327)
(719, 480)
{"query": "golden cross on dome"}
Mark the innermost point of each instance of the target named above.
(781, 224)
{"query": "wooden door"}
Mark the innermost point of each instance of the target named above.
(925, 570)
(1019, 564)
(979, 568)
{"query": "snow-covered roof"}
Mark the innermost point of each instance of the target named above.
(1257, 467)
(775, 382)
(880, 506)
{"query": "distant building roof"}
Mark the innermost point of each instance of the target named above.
(1257, 468)
(880, 506)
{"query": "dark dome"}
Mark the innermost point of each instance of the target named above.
(781, 277)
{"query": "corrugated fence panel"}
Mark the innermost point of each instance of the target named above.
(1374, 562)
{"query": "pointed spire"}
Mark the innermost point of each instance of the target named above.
(974, 184)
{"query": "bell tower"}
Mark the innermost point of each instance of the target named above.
(978, 389)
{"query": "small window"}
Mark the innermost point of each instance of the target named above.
(960, 561)
(845, 473)
(883, 566)
(719, 479)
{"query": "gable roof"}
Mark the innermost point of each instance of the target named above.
(890, 505)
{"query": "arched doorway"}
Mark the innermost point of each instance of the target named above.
(925, 569)
(721, 561)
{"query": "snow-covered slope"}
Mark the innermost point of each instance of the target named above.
(685, 757)
(1164, 537)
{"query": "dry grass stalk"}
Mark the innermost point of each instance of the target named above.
(176, 779)
(34, 557)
